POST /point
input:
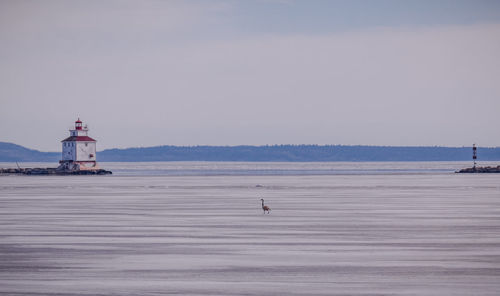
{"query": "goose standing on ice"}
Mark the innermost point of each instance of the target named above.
(265, 208)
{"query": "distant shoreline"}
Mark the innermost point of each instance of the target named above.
(10, 152)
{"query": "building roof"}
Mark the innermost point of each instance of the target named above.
(79, 139)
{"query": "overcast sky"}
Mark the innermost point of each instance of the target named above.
(147, 73)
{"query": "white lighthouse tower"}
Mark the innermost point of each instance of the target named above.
(78, 150)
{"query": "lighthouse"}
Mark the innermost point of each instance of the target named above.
(78, 150)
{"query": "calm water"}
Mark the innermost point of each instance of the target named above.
(198, 229)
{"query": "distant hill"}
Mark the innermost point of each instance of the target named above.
(11, 152)
(297, 153)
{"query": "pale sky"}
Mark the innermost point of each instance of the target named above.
(148, 73)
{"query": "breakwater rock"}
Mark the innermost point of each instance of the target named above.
(487, 169)
(51, 171)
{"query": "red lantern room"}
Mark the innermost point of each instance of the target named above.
(78, 124)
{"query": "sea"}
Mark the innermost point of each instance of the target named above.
(198, 228)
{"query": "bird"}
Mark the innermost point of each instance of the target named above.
(265, 208)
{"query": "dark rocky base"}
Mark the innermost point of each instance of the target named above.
(480, 170)
(51, 171)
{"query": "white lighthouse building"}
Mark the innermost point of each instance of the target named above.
(78, 150)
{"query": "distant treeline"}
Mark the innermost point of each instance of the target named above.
(296, 153)
(10, 152)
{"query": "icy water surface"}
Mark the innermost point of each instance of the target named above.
(405, 230)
